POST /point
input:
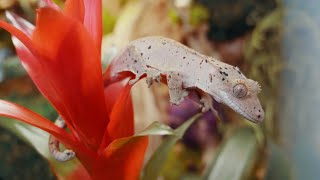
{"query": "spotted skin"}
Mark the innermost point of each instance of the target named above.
(187, 70)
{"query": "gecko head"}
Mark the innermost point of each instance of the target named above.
(241, 95)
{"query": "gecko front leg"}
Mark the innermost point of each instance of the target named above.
(207, 103)
(176, 90)
(153, 75)
(54, 145)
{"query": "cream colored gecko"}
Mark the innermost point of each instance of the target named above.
(184, 70)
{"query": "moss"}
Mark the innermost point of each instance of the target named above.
(263, 57)
(198, 14)
(108, 22)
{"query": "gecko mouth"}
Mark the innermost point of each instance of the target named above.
(236, 108)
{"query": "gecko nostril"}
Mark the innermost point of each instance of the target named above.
(259, 116)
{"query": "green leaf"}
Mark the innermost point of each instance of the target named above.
(236, 157)
(38, 139)
(157, 128)
(33, 136)
(154, 166)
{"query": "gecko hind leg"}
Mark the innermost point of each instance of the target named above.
(177, 92)
(54, 145)
(153, 75)
(135, 61)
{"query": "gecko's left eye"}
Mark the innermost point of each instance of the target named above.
(240, 90)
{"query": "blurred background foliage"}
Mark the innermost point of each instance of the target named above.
(274, 42)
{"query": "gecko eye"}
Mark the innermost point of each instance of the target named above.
(240, 90)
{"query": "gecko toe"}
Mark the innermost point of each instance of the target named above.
(149, 81)
(158, 79)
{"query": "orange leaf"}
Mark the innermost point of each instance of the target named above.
(78, 173)
(75, 9)
(121, 118)
(120, 110)
(122, 159)
(93, 20)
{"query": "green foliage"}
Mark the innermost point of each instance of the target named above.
(156, 163)
(108, 22)
(263, 54)
(12, 68)
(174, 16)
(59, 2)
(198, 15)
(33, 136)
(38, 139)
(186, 162)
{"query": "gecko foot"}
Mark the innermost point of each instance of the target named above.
(207, 104)
(153, 75)
(177, 92)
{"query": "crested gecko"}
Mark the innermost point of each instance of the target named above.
(183, 70)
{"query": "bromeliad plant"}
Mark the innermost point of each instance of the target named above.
(62, 56)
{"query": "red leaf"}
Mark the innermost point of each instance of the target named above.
(33, 67)
(71, 62)
(122, 159)
(93, 20)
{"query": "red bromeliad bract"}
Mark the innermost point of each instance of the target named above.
(62, 56)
